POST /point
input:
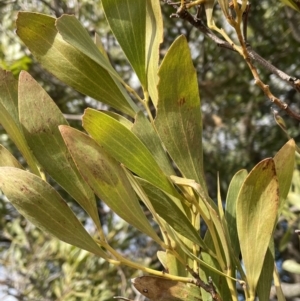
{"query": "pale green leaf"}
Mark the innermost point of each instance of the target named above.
(100, 46)
(154, 37)
(168, 210)
(37, 201)
(76, 35)
(256, 212)
(107, 178)
(9, 118)
(230, 209)
(40, 118)
(175, 237)
(123, 120)
(171, 263)
(7, 159)
(143, 129)
(125, 147)
(178, 120)
(292, 266)
(69, 64)
(219, 281)
(137, 25)
(277, 284)
(127, 20)
(284, 163)
(293, 4)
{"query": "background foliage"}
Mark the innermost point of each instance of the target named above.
(239, 131)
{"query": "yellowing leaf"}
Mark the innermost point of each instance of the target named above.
(256, 213)
(40, 118)
(284, 163)
(70, 64)
(9, 118)
(7, 159)
(44, 207)
(178, 120)
(125, 147)
(107, 178)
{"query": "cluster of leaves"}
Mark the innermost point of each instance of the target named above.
(80, 163)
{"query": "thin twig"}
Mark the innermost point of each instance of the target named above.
(210, 288)
(252, 56)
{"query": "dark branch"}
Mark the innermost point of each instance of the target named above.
(253, 56)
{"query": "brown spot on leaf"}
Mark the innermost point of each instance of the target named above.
(181, 101)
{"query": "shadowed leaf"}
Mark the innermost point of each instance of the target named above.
(107, 178)
(69, 64)
(40, 118)
(9, 118)
(169, 211)
(44, 207)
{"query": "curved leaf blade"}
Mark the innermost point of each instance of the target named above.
(126, 19)
(76, 35)
(178, 119)
(125, 147)
(154, 37)
(170, 212)
(9, 117)
(107, 178)
(44, 207)
(284, 163)
(40, 118)
(265, 279)
(230, 209)
(256, 212)
(7, 159)
(143, 129)
(69, 64)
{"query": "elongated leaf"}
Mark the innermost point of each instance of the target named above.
(7, 159)
(174, 236)
(277, 284)
(293, 4)
(230, 209)
(219, 281)
(76, 35)
(69, 64)
(265, 279)
(169, 211)
(40, 118)
(284, 163)
(127, 20)
(256, 213)
(171, 263)
(178, 118)
(154, 37)
(143, 129)
(125, 147)
(137, 25)
(161, 289)
(44, 207)
(9, 117)
(107, 178)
